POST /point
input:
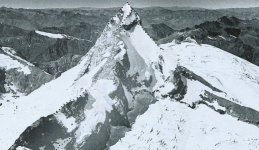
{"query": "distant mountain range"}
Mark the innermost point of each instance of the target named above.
(128, 91)
(239, 37)
(55, 56)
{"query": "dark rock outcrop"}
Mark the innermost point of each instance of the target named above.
(2, 81)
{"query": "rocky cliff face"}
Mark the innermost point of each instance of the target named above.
(129, 93)
(111, 85)
(10, 31)
(41, 49)
(18, 31)
(18, 77)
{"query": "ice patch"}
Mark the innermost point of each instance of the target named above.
(8, 63)
(22, 148)
(69, 123)
(50, 35)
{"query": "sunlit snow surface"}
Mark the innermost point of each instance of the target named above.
(72, 84)
(7, 62)
(238, 78)
(58, 36)
(167, 124)
(51, 35)
(52, 96)
(22, 148)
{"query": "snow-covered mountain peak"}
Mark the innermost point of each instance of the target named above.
(127, 93)
(127, 17)
(112, 78)
(126, 9)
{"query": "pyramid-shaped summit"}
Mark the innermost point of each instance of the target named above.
(98, 99)
(128, 94)
(128, 17)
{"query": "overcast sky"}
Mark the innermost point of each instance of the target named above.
(135, 3)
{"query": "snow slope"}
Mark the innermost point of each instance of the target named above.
(131, 84)
(17, 75)
(236, 77)
(169, 125)
(42, 102)
(7, 62)
(93, 75)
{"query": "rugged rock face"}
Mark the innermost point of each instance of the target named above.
(129, 93)
(18, 77)
(48, 49)
(2, 81)
(119, 68)
(10, 31)
(27, 83)
(159, 31)
(18, 31)
(60, 65)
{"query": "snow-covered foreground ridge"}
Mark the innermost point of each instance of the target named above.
(201, 120)
(129, 93)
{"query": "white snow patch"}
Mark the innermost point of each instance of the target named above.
(233, 36)
(126, 9)
(58, 36)
(67, 122)
(217, 106)
(22, 148)
(50, 35)
(222, 37)
(210, 38)
(7, 63)
(166, 88)
(11, 52)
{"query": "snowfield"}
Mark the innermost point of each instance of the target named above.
(49, 98)
(58, 36)
(42, 102)
(236, 77)
(123, 73)
(169, 125)
(51, 35)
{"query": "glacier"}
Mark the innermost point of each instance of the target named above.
(128, 92)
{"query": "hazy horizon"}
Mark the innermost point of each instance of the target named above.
(208, 4)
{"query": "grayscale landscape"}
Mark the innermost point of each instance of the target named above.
(118, 78)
